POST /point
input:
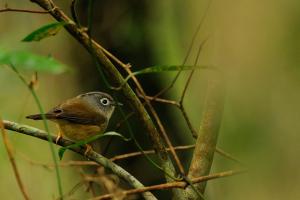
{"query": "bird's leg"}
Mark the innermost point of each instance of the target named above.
(88, 149)
(59, 135)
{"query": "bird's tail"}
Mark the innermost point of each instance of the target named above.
(37, 116)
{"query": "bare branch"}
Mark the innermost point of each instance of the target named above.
(23, 10)
(160, 100)
(192, 72)
(73, 12)
(228, 155)
(134, 154)
(188, 122)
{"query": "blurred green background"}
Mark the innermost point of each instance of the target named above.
(256, 42)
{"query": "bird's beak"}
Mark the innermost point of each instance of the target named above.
(117, 103)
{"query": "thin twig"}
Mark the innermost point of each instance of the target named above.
(49, 166)
(183, 147)
(178, 105)
(228, 155)
(164, 90)
(23, 10)
(160, 100)
(192, 72)
(175, 184)
(114, 58)
(73, 12)
(73, 190)
(158, 121)
(91, 155)
(9, 150)
(91, 189)
(193, 131)
(75, 163)
(134, 154)
(122, 121)
(188, 122)
(175, 103)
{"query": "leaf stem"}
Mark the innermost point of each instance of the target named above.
(57, 172)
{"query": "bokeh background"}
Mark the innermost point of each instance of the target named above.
(257, 43)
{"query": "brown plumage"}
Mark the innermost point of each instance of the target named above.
(81, 117)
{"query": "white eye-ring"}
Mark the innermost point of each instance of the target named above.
(104, 101)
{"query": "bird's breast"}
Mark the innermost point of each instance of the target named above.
(78, 132)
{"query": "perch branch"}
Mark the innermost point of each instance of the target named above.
(31, 131)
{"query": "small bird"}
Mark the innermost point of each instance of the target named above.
(81, 117)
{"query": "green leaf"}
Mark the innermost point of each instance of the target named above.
(61, 152)
(81, 143)
(168, 68)
(28, 61)
(44, 32)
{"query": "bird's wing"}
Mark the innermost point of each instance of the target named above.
(76, 111)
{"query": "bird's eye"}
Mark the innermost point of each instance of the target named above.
(104, 101)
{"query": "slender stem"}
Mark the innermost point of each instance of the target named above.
(160, 100)
(74, 13)
(164, 90)
(39, 105)
(58, 177)
(134, 154)
(192, 72)
(188, 122)
(228, 155)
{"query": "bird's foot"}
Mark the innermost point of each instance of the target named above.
(88, 149)
(59, 135)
